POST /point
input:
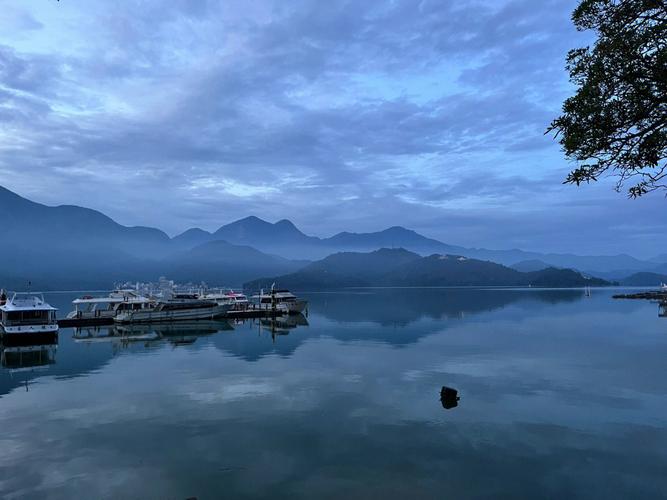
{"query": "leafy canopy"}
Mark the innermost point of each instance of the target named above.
(616, 123)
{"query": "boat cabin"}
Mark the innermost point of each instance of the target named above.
(26, 313)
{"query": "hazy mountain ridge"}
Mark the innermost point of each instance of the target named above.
(398, 267)
(69, 246)
(74, 247)
(26, 223)
(225, 263)
(283, 238)
(526, 266)
(645, 279)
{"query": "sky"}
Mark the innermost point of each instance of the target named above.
(340, 116)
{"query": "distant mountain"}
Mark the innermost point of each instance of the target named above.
(456, 270)
(399, 267)
(344, 269)
(72, 247)
(644, 279)
(285, 239)
(221, 262)
(526, 266)
(588, 264)
(660, 259)
(394, 237)
(30, 224)
(259, 233)
(191, 238)
(553, 277)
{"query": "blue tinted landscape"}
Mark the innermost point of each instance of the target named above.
(379, 249)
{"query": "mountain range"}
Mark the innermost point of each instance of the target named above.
(402, 268)
(285, 239)
(70, 247)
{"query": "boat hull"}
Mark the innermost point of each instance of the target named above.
(297, 307)
(153, 316)
(91, 315)
(292, 307)
(27, 338)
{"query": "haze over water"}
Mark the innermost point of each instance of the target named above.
(562, 396)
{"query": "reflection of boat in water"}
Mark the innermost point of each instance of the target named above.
(181, 332)
(178, 308)
(662, 309)
(183, 341)
(27, 315)
(197, 328)
(279, 300)
(110, 334)
(284, 323)
(29, 357)
(88, 307)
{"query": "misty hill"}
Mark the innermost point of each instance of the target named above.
(526, 266)
(257, 232)
(344, 269)
(225, 263)
(73, 247)
(645, 279)
(393, 237)
(30, 224)
(456, 270)
(399, 267)
(191, 238)
(285, 239)
(69, 246)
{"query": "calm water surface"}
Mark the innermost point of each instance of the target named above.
(562, 396)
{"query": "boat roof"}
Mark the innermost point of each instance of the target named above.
(276, 292)
(26, 302)
(108, 300)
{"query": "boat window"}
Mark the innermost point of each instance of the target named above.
(16, 318)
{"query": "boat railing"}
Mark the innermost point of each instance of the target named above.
(29, 298)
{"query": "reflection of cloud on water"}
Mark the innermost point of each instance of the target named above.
(543, 390)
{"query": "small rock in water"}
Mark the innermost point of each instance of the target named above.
(449, 397)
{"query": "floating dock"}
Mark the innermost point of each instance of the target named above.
(660, 295)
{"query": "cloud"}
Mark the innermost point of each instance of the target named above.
(300, 107)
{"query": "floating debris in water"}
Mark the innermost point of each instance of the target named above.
(449, 397)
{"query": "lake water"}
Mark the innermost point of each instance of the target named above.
(561, 396)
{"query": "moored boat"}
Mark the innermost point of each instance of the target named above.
(174, 309)
(88, 307)
(238, 301)
(279, 300)
(27, 315)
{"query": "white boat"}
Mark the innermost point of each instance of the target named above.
(280, 300)
(174, 309)
(89, 307)
(237, 300)
(26, 314)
